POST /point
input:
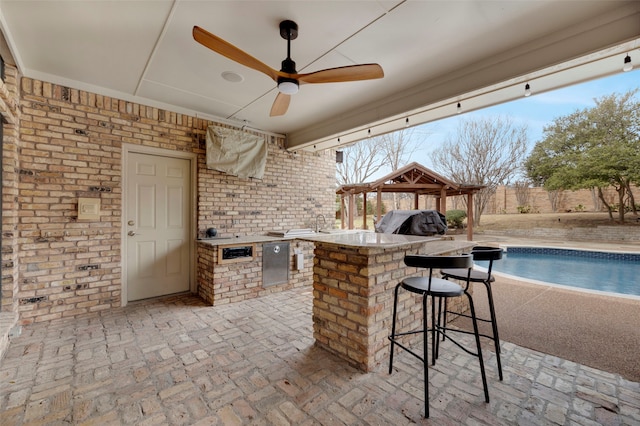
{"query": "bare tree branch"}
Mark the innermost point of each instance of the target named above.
(486, 151)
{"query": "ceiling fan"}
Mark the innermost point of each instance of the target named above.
(287, 78)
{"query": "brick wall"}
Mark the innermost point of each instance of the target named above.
(70, 145)
(506, 201)
(9, 109)
(353, 297)
(232, 282)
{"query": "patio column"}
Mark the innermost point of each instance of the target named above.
(379, 205)
(416, 201)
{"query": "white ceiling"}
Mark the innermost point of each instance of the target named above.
(432, 53)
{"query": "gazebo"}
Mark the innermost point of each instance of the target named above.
(416, 179)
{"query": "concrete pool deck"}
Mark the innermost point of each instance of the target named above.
(598, 330)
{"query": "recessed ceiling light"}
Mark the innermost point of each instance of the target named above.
(232, 77)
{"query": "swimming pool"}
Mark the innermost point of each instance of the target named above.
(591, 270)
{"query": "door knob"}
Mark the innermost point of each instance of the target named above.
(131, 233)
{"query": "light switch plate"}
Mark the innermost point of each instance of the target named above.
(88, 208)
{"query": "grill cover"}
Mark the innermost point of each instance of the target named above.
(413, 222)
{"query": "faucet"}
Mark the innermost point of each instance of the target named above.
(324, 221)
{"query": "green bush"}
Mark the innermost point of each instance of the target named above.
(455, 218)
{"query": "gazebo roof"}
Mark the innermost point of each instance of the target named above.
(412, 178)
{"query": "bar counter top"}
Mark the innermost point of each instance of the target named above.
(436, 244)
(368, 239)
(350, 239)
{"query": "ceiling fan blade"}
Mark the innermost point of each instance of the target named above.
(280, 105)
(349, 73)
(225, 48)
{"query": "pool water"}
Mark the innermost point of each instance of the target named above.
(602, 271)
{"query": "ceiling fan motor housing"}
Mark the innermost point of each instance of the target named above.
(289, 66)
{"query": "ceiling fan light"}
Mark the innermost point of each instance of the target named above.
(288, 87)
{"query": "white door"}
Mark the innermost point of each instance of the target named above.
(157, 225)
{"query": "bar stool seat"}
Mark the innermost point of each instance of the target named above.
(434, 288)
(480, 253)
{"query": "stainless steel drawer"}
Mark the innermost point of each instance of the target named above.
(275, 263)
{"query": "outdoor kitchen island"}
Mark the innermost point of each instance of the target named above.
(234, 269)
(354, 275)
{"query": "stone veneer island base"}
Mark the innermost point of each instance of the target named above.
(354, 275)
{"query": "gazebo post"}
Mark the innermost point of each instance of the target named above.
(364, 210)
(443, 201)
(352, 206)
(469, 217)
(379, 204)
(416, 199)
(341, 211)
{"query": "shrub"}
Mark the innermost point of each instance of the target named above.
(524, 209)
(455, 218)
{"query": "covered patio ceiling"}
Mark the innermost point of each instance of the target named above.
(435, 54)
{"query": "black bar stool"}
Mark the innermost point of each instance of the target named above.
(480, 253)
(434, 287)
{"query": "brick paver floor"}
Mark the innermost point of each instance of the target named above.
(177, 361)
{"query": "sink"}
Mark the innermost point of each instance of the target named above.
(342, 231)
(293, 232)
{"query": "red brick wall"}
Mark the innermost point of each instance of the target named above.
(71, 145)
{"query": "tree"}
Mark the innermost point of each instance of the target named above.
(594, 148)
(366, 158)
(396, 150)
(485, 151)
(359, 161)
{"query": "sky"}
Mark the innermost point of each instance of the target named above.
(535, 111)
